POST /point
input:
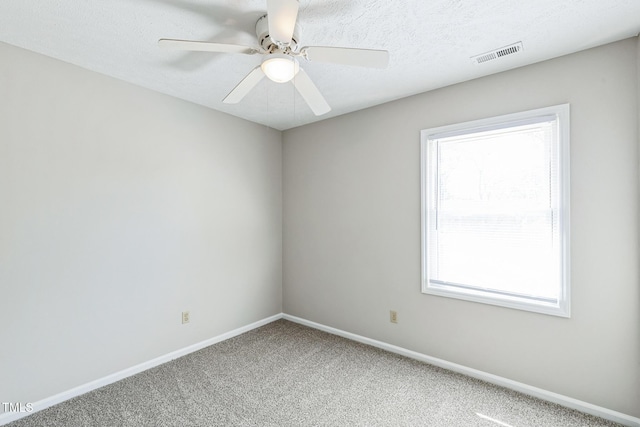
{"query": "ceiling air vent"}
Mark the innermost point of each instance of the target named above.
(498, 53)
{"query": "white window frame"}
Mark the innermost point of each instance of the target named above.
(428, 163)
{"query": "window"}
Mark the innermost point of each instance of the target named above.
(495, 211)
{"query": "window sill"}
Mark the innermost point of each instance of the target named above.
(560, 310)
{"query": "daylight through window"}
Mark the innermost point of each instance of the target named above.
(495, 210)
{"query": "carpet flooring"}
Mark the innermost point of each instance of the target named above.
(285, 374)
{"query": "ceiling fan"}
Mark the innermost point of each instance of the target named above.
(278, 38)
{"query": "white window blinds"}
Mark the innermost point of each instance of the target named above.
(494, 220)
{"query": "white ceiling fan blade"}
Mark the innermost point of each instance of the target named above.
(200, 46)
(347, 56)
(244, 87)
(282, 15)
(310, 93)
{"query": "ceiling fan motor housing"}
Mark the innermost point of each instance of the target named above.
(262, 31)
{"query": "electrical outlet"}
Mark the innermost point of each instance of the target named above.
(393, 316)
(185, 317)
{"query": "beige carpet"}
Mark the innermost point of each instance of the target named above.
(285, 374)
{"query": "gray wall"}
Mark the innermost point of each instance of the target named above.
(120, 208)
(352, 230)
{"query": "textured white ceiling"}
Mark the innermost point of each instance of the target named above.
(430, 44)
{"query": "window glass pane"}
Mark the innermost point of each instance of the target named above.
(494, 221)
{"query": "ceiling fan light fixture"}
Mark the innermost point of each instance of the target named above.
(280, 68)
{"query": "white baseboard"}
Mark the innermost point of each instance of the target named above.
(8, 417)
(549, 396)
